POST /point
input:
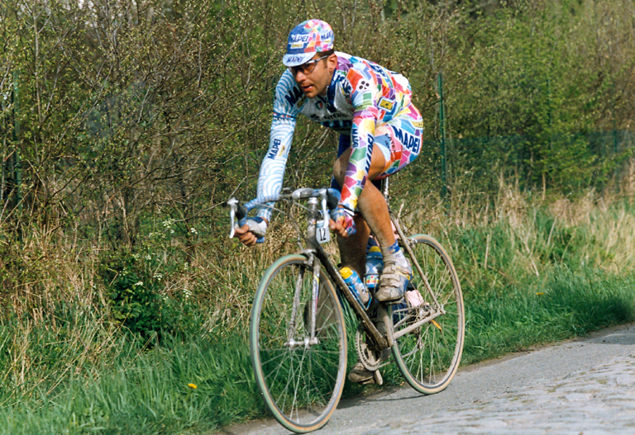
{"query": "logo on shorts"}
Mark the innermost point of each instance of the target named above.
(413, 143)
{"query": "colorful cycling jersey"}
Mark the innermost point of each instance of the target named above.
(362, 95)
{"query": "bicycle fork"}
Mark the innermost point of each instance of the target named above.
(310, 339)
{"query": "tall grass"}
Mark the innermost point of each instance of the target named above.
(537, 270)
(534, 269)
(178, 387)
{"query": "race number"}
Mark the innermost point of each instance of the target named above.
(322, 232)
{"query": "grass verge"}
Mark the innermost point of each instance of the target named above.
(531, 275)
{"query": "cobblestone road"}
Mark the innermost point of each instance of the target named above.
(581, 387)
(600, 400)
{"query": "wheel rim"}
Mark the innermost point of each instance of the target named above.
(301, 382)
(429, 355)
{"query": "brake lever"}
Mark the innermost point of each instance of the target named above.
(233, 205)
(325, 212)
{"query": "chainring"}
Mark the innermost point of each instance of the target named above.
(370, 358)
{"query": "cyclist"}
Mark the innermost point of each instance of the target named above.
(380, 133)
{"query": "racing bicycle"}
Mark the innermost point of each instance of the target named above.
(302, 308)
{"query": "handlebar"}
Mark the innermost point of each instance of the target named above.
(328, 196)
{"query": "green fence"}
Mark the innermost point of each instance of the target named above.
(566, 162)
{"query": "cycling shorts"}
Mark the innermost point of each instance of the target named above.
(399, 140)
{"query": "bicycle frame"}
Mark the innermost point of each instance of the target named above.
(297, 331)
(313, 249)
(370, 328)
(403, 242)
(439, 310)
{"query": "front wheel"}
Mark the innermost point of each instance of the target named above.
(430, 330)
(298, 347)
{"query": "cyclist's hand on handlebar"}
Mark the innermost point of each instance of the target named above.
(252, 232)
(245, 235)
(342, 221)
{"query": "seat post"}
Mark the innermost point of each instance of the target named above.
(385, 188)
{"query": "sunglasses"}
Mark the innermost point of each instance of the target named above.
(306, 68)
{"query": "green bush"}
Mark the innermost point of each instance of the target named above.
(138, 300)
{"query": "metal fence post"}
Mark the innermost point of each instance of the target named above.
(444, 187)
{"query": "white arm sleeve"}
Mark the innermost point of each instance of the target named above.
(284, 119)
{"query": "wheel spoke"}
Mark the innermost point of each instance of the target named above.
(301, 383)
(429, 356)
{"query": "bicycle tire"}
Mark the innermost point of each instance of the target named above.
(429, 356)
(300, 385)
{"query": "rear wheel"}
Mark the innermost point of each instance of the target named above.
(300, 374)
(429, 354)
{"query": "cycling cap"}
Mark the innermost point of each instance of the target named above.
(306, 39)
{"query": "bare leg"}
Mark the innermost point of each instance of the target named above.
(374, 214)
